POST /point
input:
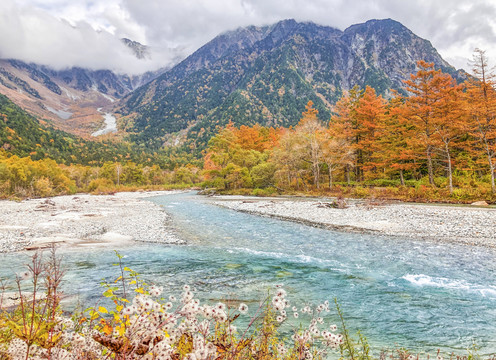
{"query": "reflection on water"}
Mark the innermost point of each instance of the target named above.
(401, 292)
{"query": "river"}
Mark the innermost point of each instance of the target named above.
(110, 124)
(398, 292)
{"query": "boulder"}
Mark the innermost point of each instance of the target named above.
(480, 203)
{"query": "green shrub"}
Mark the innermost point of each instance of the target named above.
(101, 186)
(264, 192)
(360, 192)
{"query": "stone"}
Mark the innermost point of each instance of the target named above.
(480, 203)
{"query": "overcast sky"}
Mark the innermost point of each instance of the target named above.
(65, 33)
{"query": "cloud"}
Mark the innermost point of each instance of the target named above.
(455, 27)
(64, 33)
(35, 35)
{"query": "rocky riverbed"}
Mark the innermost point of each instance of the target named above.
(463, 224)
(83, 220)
(109, 220)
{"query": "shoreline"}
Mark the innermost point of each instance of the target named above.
(84, 220)
(433, 222)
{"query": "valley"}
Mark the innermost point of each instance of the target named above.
(287, 190)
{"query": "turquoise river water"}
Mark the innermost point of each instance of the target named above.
(397, 292)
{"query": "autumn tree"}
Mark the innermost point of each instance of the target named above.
(394, 153)
(481, 100)
(234, 153)
(369, 112)
(357, 117)
(336, 153)
(449, 120)
(289, 159)
(426, 92)
(308, 129)
(343, 124)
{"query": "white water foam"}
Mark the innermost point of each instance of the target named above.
(302, 259)
(422, 280)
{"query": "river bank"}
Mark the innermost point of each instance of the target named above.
(84, 220)
(420, 295)
(459, 224)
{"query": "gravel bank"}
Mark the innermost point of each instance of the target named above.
(83, 220)
(469, 225)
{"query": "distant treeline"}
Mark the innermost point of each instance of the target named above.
(38, 160)
(24, 177)
(23, 135)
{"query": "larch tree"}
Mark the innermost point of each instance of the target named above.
(250, 138)
(394, 153)
(343, 124)
(481, 105)
(308, 128)
(449, 120)
(425, 95)
(368, 113)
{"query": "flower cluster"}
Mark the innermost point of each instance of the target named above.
(304, 338)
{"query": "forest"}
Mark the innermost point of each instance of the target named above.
(436, 144)
(37, 160)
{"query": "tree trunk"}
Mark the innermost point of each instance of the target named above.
(330, 176)
(429, 165)
(118, 171)
(450, 171)
(316, 175)
(491, 166)
(347, 170)
(491, 169)
(359, 164)
(402, 179)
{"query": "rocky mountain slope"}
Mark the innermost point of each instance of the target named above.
(70, 99)
(267, 74)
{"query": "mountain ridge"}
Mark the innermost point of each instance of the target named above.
(267, 74)
(70, 99)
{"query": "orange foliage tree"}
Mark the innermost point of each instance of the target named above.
(426, 88)
(449, 121)
(343, 124)
(369, 112)
(481, 100)
(358, 115)
(394, 154)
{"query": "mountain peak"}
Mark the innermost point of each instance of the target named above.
(267, 75)
(379, 25)
(140, 51)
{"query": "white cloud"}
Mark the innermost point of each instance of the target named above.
(36, 31)
(454, 27)
(35, 35)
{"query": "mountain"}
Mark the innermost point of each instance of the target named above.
(267, 74)
(23, 135)
(140, 51)
(70, 99)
